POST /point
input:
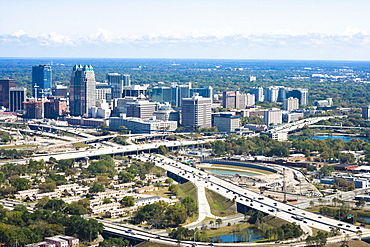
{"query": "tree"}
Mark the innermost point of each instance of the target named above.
(162, 149)
(219, 222)
(126, 177)
(22, 184)
(95, 188)
(128, 201)
(169, 181)
(360, 203)
(326, 170)
(47, 187)
(114, 242)
(312, 203)
(359, 234)
(107, 201)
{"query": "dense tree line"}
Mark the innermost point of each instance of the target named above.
(20, 227)
(328, 149)
(162, 215)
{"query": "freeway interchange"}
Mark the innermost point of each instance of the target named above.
(305, 219)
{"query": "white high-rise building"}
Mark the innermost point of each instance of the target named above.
(196, 112)
(273, 117)
(291, 104)
(258, 92)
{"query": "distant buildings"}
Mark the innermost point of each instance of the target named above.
(134, 90)
(237, 100)
(17, 95)
(273, 117)
(196, 112)
(118, 82)
(225, 122)
(366, 112)
(5, 85)
(324, 103)
(290, 104)
(300, 93)
(82, 90)
(41, 80)
(258, 92)
(142, 126)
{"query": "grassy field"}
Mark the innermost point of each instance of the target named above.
(80, 145)
(220, 206)
(18, 147)
(246, 169)
(150, 244)
(351, 243)
(214, 232)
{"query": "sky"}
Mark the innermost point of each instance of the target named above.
(228, 29)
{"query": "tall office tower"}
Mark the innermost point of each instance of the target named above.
(300, 93)
(118, 82)
(178, 92)
(161, 94)
(273, 116)
(230, 99)
(196, 112)
(237, 100)
(82, 90)
(291, 104)
(271, 94)
(41, 80)
(246, 100)
(366, 112)
(281, 94)
(17, 95)
(206, 92)
(258, 92)
(5, 85)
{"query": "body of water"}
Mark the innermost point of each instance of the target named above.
(228, 172)
(255, 235)
(365, 219)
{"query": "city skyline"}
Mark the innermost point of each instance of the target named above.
(314, 30)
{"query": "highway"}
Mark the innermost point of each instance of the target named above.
(253, 200)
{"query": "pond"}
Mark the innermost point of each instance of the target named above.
(365, 219)
(228, 172)
(230, 238)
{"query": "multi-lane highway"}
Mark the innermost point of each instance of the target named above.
(305, 219)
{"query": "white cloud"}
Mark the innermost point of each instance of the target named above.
(221, 42)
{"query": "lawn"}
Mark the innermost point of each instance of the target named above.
(242, 168)
(18, 147)
(220, 206)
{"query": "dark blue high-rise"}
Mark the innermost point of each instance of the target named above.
(41, 80)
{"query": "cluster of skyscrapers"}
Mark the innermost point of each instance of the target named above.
(119, 103)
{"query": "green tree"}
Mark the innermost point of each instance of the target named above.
(114, 242)
(219, 222)
(128, 201)
(22, 184)
(95, 188)
(326, 170)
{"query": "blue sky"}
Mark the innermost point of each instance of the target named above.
(241, 29)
